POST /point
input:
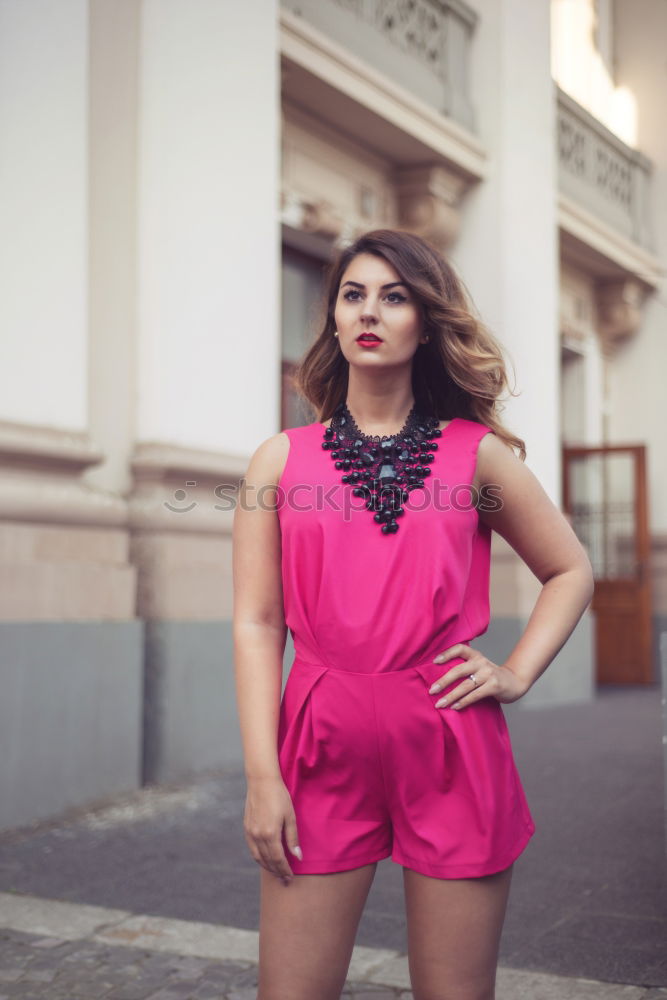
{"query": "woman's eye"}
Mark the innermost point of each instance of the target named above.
(396, 296)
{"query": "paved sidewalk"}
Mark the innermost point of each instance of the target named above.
(60, 951)
(160, 893)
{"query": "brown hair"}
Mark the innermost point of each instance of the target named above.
(460, 372)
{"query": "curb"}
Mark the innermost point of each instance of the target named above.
(66, 921)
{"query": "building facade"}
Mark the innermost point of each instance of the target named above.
(175, 175)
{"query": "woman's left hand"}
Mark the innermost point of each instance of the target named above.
(492, 680)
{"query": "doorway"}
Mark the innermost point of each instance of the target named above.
(605, 497)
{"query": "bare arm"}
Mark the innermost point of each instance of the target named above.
(259, 644)
(258, 621)
(540, 534)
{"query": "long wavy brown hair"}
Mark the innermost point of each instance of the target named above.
(460, 372)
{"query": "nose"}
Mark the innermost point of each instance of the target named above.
(369, 311)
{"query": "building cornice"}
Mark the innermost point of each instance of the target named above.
(609, 254)
(392, 118)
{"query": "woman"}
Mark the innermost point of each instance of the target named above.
(367, 533)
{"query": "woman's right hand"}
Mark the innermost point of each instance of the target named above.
(268, 808)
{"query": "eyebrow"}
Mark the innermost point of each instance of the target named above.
(392, 284)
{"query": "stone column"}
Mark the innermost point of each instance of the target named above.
(71, 647)
(208, 380)
(509, 243)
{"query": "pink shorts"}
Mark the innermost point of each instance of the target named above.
(375, 770)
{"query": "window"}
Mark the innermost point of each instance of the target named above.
(302, 318)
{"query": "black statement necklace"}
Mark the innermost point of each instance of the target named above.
(383, 469)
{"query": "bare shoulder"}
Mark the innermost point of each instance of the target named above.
(494, 457)
(500, 471)
(492, 452)
(268, 460)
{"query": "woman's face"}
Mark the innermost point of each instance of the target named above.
(372, 299)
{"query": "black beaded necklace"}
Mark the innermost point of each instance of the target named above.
(385, 469)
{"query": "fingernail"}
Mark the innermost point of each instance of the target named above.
(297, 852)
(438, 659)
(434, 688)
(441, 703)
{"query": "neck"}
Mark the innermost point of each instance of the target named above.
(378, 421)
(405, 426)
(379, 400)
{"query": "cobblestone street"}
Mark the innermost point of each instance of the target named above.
(89, 970)
(38, 967)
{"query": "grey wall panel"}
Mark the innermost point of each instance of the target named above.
(659, 626)
(70, 715)
(569, 678)
(190, 712)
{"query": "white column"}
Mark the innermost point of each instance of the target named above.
(43, 212)
(209, 350)
(637, 371)
(113, 103)
(508, 250)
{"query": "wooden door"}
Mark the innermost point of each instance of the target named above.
(605, 497)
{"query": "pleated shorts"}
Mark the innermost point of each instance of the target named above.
(375, 770)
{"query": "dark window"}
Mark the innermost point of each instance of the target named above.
(302, 317)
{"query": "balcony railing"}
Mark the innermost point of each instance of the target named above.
(603, 174)
(423, 45)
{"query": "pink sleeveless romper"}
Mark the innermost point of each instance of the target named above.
(373, 768)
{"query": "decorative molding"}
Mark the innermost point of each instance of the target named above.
(322, 219)
(425, 45)
(40, 482)
(602, 172)
(45, 500)
(428, 203)
(619, 311)
(72, 552)
(160, 461)
(332, 187)
(183, 490)
(46, 449)
(391, 119)
(621, 275)
(316, 217)
(63, 543)
(611, 254)
(419, 27)
(362, 190)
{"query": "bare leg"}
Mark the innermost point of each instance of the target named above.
(454, 928)
(307, 931)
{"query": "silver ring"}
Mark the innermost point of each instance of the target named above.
(472, 678)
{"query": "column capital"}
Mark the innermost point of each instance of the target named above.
(429, 199)
(619, 311)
